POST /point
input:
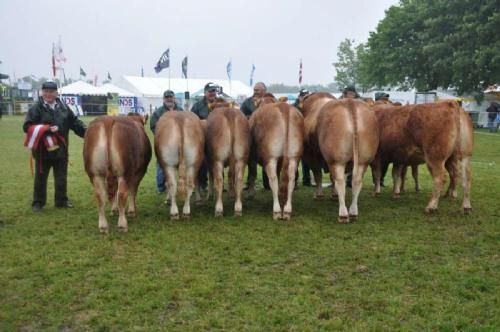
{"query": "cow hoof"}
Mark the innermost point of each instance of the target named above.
(114, 212)
(218, 214)
(186, 216)
(286, 215)
(238, 213)
(174, 217)
(104, 230)
(376, 194)
(122, 229)
(318, 197)
(353, 217)
(131, 214)
(430, 210)
(343, 219)
(467, 210)
(396, 196)
(198, 202)
(276, 215)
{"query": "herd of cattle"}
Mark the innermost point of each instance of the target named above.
(335, 136)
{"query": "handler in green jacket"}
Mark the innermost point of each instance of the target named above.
(50, 110)
(169, 104)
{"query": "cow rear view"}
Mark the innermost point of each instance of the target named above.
(116, 154)
(277, 131)
(227, 143)
(179, 144)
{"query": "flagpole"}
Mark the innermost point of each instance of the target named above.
(169, 67)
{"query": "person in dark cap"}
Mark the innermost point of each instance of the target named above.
(202, 109)
(306, 171)
(382, 96)
(49, 110)
(169, 104)
(350, 92)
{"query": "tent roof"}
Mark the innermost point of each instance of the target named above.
(80, 88)
(155, 86)
(111, 88)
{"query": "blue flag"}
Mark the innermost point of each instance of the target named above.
(164, 61)
(229, 67)
(251, 75)
(185, 67)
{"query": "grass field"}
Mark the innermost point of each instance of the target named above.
(394, 269)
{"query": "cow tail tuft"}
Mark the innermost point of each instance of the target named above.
(111, 179)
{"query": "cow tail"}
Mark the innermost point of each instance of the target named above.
(284, 165)
(232, 159)
(181, 189)
(111, 180)
(355, 139)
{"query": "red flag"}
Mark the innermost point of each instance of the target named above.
(300, 72)
(53, 60)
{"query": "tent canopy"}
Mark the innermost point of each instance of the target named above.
(153, 87)
(80, 88)
(111, 88)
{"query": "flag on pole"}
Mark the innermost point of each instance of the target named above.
(185, 67)
(109, 76)
(82, 72)
(164, 61)
(251, 75)
(300, 72)
(142, 71)
(53, 60)
(229, 68)
(95, 80)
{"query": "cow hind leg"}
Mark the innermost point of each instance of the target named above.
(437, 171)
(100, 192)
(414, 173)
(170, 173)
(238, 187)
(339, 180)
(466, 184)
(318, 192)
(357, 183)
(273, 183)
(292, 169)
(397, 172)
(218, 170)
(122, 201)
(190, 176)
(451, 166)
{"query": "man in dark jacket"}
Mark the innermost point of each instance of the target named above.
(249, 104)
(202, 108)
(49, 110)
(169, 104)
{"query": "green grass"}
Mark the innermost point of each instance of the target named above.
(394, 269)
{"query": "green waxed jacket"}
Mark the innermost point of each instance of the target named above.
(158, 113)
(248, 107)
(201, 109)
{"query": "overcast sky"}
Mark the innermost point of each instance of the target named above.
(123, 36)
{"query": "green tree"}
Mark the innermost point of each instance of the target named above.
(346, 66)
(429, 44)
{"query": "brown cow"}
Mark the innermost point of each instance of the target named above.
(116, 154)
(277, 131)
(439, 134)
(340, 133)
(179, 143)
(227, 142)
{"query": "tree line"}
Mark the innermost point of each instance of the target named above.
(426, 44)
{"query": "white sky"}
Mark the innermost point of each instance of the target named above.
(123, 36)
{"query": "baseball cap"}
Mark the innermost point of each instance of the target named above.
(168, 93)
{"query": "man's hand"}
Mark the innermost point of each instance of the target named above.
(54, 129)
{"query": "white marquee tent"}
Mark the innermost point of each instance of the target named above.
(149, 90)
(80, 88)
